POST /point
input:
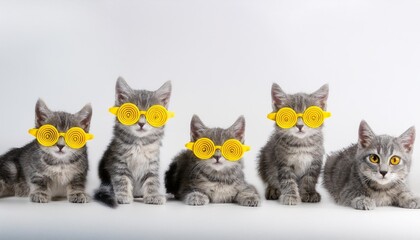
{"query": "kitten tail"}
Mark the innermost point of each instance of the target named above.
(105, 195)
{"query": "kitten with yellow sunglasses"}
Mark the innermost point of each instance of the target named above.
(210, 170)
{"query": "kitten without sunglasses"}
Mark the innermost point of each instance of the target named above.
(372, 172)
(46, 172)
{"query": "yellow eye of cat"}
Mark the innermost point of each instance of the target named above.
(395, 160)
(374, 158)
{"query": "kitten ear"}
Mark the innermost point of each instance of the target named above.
(366, 135)
(197, 127)
(164, 93)
(84, 116)
(407, 139)
(122, 91)
(42, 112)
(321, 96)
(239, 128)
(278, 96)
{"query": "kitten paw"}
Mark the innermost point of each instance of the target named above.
(290, 199)
(39, 197)
(78, 198)
(412, 203)
(124, 199)
(252, 201)
(155, 199)
(312, 197)
(196, 199)
(363, 203)
(272, 193)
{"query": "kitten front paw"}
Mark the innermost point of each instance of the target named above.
(39, 197)
(196, 199)
(78, 198)
(363, 203)
(412, 203)
(124, 199)
(290, 199)
(311, 197)
(155, 199)
(252, 201)
(272, 193)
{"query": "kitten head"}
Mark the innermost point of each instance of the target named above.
(62, 121)
(384, 159)
(143, 99)
(218, 136)
(299, 102)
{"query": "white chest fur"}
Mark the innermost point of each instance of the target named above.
(61, 175)
(139, 158)
(300, 162)
(381, 198)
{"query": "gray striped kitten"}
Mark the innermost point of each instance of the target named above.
(216, 180)
(45, 172)
(291, 161)
(372, 172)
(130, 166)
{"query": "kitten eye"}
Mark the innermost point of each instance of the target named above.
(395, 160)
(373, 158)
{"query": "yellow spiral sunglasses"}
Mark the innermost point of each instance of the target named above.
(204, 149)
(286, 117)
(47, 135)
(129, 114)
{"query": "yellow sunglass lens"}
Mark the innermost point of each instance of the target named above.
(157, 116)
(232, 150)
(313, 117)
(204, 148)
(75, 137)
(395, 160)
(128, 114)
(286, 118)
(374, 158)
(47, 135)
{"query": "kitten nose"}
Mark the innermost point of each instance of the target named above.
(383, 173)
(60, 147)
(141, 124)
(299, 126)
(217, 158)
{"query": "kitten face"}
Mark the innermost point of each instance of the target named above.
(63, 122)
(299, 102)
(218, 136)
(384, 147)
(143, 99)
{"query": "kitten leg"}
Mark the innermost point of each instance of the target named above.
(196, 199)
(40, 192)
(123, 188)
(151, 190)
(288, 187)
(363, 203)
(248, 196)
(308, 183)
(272, 193)
(406, 199)
(5, 189)
(21, 189)
(76, 190)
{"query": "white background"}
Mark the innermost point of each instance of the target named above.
(222, 57)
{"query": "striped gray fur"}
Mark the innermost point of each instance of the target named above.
(290, 162)
(45, 172)
(352, 180)
(129, 167)
(216, 180)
